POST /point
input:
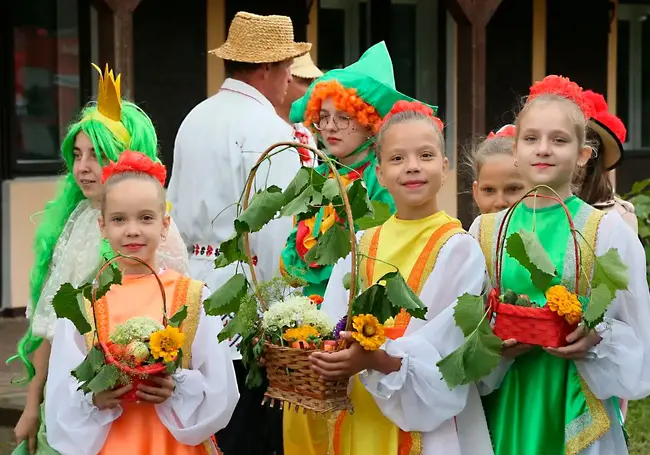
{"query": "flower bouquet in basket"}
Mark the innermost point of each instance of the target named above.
(290, 326)
(504, 314)
(135, 350)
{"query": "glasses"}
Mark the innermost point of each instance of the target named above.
(340, 121)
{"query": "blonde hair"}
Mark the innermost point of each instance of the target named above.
(573, 111)
(405, 117)
(487, 148)
(114, 179)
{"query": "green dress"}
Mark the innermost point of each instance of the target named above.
(305, 233)
(543, 406)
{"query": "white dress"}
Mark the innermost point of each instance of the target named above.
(416, 398)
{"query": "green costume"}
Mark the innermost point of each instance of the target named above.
(372, 77)
(543, 406)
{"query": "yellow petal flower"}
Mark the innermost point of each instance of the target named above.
(565, 303)
(369, 333)
(166, 343)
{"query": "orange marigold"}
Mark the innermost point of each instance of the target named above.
(345, 99)
(565, 303)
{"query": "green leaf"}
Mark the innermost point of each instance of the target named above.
(234, 327)
(90, 366)
(347, 280)
(469, 312)
(68, 303)
(639, 187)
(476, 358)
(231, 250)
(300, 204)
(106, 379)
(297, 185)
(611, 271)
(110, 276)
(176, 364)
(374, 301)
(381, 214)
(359, 201)
(601, 297)
(330, 247)
(402, 296)
(177, 319)
(524, 247)
(228, 297)
(331, 189)
(262, 209)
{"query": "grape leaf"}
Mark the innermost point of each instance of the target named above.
(262, 209)
(359, 201)
(177, 319)
(231, 250)
(234, 327)
(476, 358)
(300, 204)
(402, 296)
(68, 303)
(381, 213)
(176, 364)
(611, 271)
(228, 297)
(601, 297)
(525, 248)
(106, 379)
(469, 312)
(374, 301)
(331, 189)
(90, 366)
(330, 247)
(297, 185)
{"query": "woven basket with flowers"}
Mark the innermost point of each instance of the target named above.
(502, 314)
(281, 328)
(135, 350)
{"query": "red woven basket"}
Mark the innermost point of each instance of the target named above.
(530, 325)
(138, 374)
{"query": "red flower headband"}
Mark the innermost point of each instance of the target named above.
(130, 161)
(564, 87)
(603, 115)
(504, 131)
(415, 106)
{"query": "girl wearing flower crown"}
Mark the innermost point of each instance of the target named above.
(401, 404)
(68, 245)
(497, 183)
(555, 401)
(175, 414)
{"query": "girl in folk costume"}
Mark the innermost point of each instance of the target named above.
(176, 414)
(401, 404)
(346, 107)
(68, 245)
(555, 401)
(497, 183)
(606, 133)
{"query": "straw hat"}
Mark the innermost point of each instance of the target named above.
(304, 68)
(609, 128)
(260, 39)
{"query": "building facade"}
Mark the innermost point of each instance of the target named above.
(475, 60)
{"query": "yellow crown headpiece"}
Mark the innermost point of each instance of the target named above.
(109, 104)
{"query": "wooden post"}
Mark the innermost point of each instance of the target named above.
(472, 17)
(123, 41)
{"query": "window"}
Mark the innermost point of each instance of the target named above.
(46, 80)
(633, 74)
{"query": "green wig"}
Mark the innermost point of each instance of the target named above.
(107, 146)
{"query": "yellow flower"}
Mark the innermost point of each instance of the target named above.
(301, 333)
(166, 343)
(564, 303)
(368, 331)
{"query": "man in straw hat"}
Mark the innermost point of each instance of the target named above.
(217, 144)
(303, 72)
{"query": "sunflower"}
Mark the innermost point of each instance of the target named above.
(166, 343)
(565, 303)
(368, 331)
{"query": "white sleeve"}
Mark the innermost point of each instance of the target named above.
(74, 425)
(620, 364)
(206, 395)
(416, 398)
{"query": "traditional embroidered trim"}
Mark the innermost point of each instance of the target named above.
(193, 298)
(334, 423)
(368, 249)
(590, 234)
(410, 443)
(584, 431)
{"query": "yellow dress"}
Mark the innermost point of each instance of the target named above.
(412, 246)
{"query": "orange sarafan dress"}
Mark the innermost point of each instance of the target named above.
(202, 403)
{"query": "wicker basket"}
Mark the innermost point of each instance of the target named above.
(530, 325)
(138, 374)
(291, 380)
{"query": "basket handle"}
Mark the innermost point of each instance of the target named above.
(95, 287)
(503, 229)
(348, 212)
